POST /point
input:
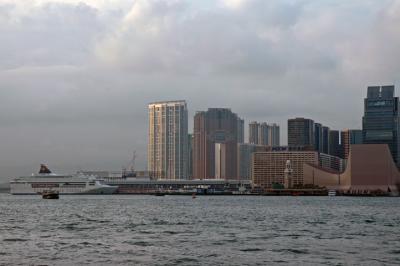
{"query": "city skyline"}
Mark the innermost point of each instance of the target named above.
(199, 132)
(76, 76)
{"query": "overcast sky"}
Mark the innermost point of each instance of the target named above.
(76, 76)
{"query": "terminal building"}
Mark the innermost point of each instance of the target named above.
(205, 186)
(369, 168)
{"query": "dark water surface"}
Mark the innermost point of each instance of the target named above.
(179, 230)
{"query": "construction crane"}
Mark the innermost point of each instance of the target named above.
(131, 167)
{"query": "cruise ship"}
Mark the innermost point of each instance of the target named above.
(63, 184)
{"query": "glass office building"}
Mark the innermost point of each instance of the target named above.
(301, 132)
(381, 119)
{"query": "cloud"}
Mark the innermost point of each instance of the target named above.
(234, 4)
(55, 34)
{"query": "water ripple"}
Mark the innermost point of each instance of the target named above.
(147, 230)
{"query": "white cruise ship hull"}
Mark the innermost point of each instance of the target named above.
(63, 185)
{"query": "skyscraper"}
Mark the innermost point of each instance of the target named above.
(274, 135)
(264, 134)
(240, 130)
(215, 144)
(301, 132)
(168, 140)
(381, 119)
(190, 156)
(318, 139)
(325, 140)
(254, 128)
(349, 137)
(334, 143)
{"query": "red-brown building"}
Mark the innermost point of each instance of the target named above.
(215, 139)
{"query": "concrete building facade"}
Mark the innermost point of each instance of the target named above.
(268, 168)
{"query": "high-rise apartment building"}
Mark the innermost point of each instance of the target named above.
(349, 137)
(168, 140)
(381, 119)
(274, 135)
(264, 134)
(215, 144)
(301, 132)
(254, 128)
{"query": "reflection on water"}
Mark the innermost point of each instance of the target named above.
(178, 230)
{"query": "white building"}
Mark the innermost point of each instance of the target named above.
(168, 140)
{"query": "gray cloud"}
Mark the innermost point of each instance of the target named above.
(75, 77)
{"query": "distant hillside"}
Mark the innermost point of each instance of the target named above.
(4, 187)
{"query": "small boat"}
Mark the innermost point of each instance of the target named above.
(50, 194)
(159, 194)
(332, 193)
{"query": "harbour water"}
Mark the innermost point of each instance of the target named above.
(209, 230)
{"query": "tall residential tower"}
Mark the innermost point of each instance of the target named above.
(215, 142)
(168, 140)
(264, 134)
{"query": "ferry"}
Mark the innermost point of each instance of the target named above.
(45, 180)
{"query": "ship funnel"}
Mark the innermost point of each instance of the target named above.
(44, 169)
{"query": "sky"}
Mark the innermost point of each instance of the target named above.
(76, 76)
